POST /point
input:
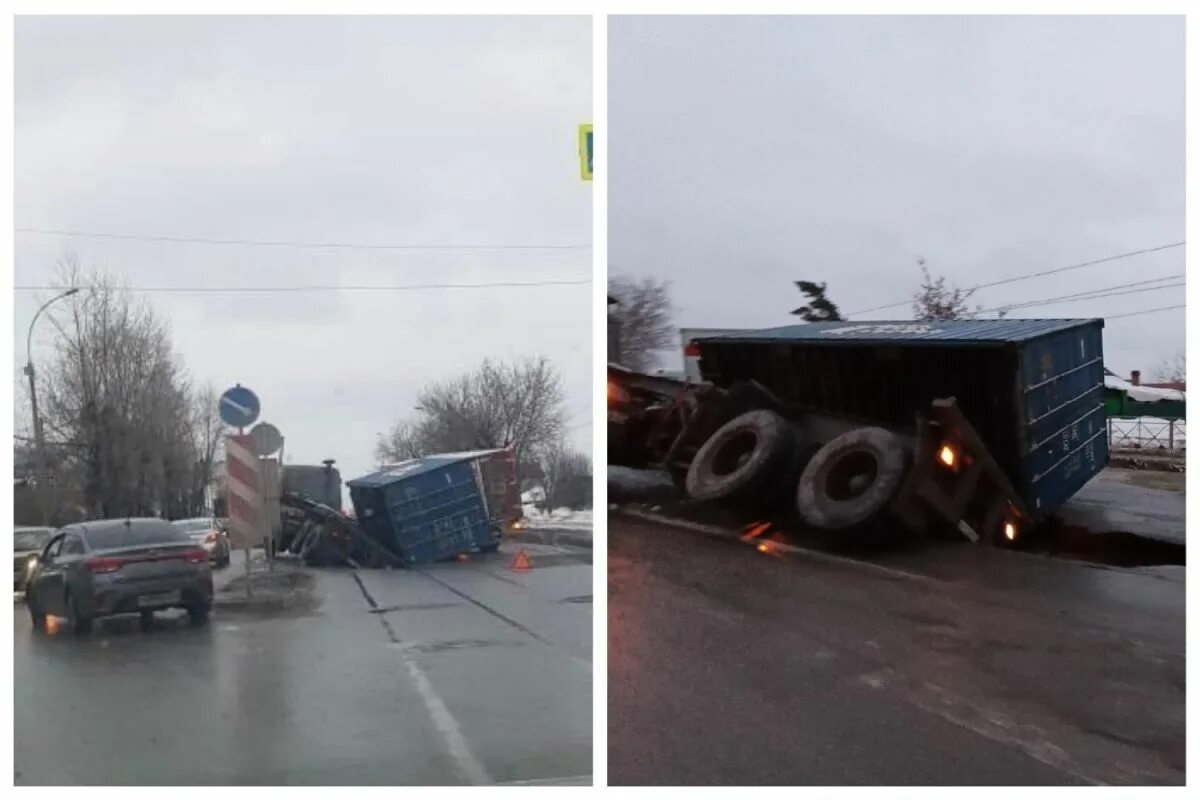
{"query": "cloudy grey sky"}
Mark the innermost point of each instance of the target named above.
(746, 153)
(450, 131)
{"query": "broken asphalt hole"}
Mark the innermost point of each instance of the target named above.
(1114, 549)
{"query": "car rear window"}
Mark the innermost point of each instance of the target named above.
(133, 534)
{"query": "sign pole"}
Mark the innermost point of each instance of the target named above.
(238, 408)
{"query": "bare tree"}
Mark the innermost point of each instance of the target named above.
(819, 308)
(566, 477)
(518, 405)
(1172, 370)
(116, 394)
(644, 318)
(936, 300)
(208, 433)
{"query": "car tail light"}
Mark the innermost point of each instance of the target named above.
(692, 350)
(104, 565)
(212, 537)
(196, 556)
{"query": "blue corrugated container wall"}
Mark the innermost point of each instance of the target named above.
(1065, 418)
(424, 510)
(1034, 389)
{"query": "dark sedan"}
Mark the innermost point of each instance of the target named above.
(125, 566)
(28, 544)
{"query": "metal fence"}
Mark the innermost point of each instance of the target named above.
(1154, 434)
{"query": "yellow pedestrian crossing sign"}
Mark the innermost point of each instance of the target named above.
(585, 152)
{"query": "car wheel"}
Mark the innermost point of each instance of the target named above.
(851, 479)
(198, 614)
(36, 614)
(78, 624)
(146, 620)
(741, 457)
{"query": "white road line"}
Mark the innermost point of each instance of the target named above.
(456, 744)
(572, 780)
(986, 722)
(464, 757)
(815, 555)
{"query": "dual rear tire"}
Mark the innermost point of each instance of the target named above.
(846, 483)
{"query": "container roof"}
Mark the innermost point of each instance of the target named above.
(960, 331)
(417, 466)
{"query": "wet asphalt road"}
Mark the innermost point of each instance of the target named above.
(460, 673)
(960, 666)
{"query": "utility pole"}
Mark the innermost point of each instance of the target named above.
(41, 465)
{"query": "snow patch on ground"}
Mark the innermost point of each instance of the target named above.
(628, 478)
(558, 518)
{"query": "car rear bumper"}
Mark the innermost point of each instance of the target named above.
(127, 598)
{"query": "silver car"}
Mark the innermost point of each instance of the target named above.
(207, 533)
(28, 543)
(119, 566)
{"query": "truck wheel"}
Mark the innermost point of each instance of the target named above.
(851, 479)
(741, 456)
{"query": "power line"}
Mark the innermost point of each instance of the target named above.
(1031, 275)
(1143, 311)
(1095, 294)
(296, 244)
(333, 288)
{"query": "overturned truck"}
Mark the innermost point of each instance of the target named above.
(414, 512)
(977, 426)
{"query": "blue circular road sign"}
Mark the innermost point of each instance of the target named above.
(239, 407)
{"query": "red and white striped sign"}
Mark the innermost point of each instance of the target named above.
(244, 492)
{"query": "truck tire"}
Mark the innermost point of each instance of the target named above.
(741, 457)
(851, 479)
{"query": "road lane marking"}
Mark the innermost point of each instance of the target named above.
(572, 780)
(507, 620)
(986, 722)
(452, 736)
(718, 532)
(453, 740)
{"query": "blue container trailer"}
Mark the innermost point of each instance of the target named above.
(429, 509)
(988, 425)
(1033, 389)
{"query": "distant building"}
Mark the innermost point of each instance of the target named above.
(1135, 378)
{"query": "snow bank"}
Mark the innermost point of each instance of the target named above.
(557, 518)
(1142, 394)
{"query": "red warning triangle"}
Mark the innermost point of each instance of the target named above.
(521, 562)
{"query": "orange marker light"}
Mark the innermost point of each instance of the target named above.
(947, 455)
(763, 547)
(755, 529)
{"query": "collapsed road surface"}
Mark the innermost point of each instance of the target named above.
(456, 673)
(966, 666)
